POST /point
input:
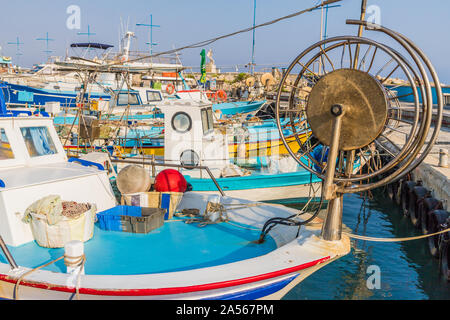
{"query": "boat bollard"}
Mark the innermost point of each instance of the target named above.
(74, 256)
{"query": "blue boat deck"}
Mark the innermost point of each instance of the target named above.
(175, 246)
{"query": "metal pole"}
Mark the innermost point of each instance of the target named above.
(151, 34)
(321, 34)
(8, 255)
(332, 227)
(360, 31)
(329, 187)
(152, 163)
(253, 46)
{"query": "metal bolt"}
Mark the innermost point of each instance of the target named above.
(443, 158)
(336, 109)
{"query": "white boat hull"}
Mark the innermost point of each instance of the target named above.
(268, 276)
(301, 192)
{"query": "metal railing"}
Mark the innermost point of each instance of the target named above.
(154, 164)
(7, 254)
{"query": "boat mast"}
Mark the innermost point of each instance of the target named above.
(252, 70)
(126, 47)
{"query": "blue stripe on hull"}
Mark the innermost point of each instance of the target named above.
(14, 94)
(256, 293)
(230, 108)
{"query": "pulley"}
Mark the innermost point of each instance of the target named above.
(342, 97)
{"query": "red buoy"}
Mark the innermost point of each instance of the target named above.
(170, 180)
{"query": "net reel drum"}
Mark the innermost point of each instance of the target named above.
(339, 96)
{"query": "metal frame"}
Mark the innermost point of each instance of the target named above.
(153, 163)
(406, 158)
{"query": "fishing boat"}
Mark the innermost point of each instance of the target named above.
(172, 261)
(65, 80)
(249, 164)
(221, 105)
(191, 140)
(211, 246)
(142, 130)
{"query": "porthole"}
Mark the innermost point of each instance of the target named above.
(189, 158)
(181, 122)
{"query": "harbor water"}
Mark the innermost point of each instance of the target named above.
(407, 271)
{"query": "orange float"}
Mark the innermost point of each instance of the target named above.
(221, 95)
(170, 88)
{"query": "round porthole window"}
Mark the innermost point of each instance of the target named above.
(181, 122)
(189, 158)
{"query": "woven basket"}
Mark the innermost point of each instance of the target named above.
(56, 235)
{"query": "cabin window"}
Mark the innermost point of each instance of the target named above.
(210, 118)
(207, 120)
(181, 122)
(38, 141)
(125, 99)
(153, 96)
(5, 147)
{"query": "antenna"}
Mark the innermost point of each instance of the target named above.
(17, 43)
(151, 25)
(46, 39)
(88, 33)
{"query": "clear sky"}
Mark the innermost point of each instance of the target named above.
(184, 22)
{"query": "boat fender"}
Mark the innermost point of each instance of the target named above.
(416, 200)
(170, 180)
(221, 95)
(444, 250)
(392, 190)
(428, 204)
(73, 256)
(170, 88)
(320, 156)
(435, 219)
(405, 195)
(398, 194)
(133, 179)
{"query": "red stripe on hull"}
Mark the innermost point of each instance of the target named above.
(167, 291)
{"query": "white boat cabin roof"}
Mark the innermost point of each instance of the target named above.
(33, 165)
(29, 141)
(31, 153)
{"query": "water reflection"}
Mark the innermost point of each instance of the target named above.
(407, 270)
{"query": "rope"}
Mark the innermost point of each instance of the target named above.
(360, 237)
(208, 42)
(78, 262)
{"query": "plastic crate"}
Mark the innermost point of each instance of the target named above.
(131, 219)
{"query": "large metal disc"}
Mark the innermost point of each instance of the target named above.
(365, 108)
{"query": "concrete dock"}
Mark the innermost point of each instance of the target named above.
(434, 178)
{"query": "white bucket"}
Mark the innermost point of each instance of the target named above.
(57, 235)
